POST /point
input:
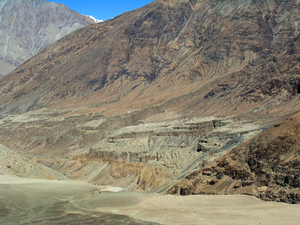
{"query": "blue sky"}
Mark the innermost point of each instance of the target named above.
(103, 9)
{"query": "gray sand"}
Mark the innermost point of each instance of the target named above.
(29, 201)
(32, 201)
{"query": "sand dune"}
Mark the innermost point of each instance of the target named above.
(33, 201)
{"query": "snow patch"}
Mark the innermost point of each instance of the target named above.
(93, 18)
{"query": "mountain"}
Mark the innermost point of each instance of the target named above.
(147, 98)
(29, 26)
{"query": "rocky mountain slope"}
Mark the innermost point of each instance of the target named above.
(145, 99)
(267, 166)
(29, 26)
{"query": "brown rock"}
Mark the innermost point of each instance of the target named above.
(266, 166)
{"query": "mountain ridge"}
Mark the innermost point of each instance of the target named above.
(28, 26)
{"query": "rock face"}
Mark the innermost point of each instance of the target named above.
(267, 166)
(29, 26)
(145, 99)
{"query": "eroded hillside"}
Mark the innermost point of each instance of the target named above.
(266, 166)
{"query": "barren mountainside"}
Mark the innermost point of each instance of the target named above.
(29, 26)
(147, 98)
(267, 167)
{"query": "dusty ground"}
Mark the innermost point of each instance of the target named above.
(32, 201)
(210, 209)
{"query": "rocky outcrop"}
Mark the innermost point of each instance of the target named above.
(266, 166)
(29, 26)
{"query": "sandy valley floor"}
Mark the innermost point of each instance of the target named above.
(211, 209)
(32, 201)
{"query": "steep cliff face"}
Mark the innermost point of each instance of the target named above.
(145, 99)
(29, 26)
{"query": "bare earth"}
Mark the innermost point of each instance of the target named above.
(33, 201)
(210, 209)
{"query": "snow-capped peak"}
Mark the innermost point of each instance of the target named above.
(93, 18)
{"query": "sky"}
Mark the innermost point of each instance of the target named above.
(103, 9)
